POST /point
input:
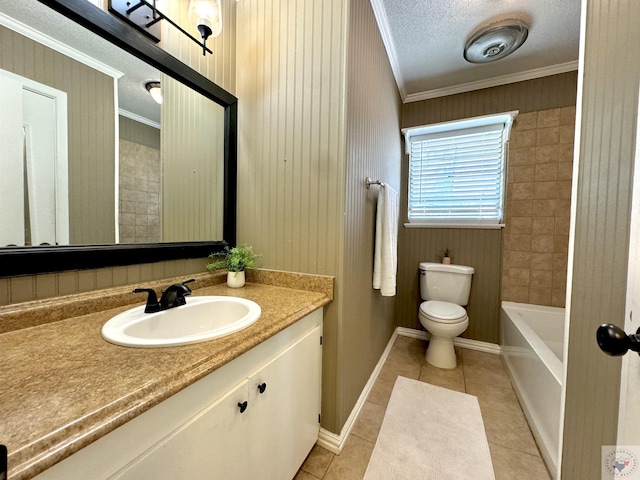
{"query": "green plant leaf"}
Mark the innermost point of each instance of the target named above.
(234, 259)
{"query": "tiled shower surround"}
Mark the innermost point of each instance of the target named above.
(139, 193)
(538, 206)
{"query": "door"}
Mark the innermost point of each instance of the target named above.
(211, 445)
(285, 405)
(33, 122)
(12, 214)
(629, 408)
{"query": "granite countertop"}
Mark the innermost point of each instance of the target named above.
(63, 386)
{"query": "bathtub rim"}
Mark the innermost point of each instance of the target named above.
(550, 452)
(549, 358)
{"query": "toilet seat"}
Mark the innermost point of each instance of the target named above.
(443, 312)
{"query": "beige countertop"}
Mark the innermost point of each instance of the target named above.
(63, 386)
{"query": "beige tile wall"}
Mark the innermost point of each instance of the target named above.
(538, 206)
(139, 193)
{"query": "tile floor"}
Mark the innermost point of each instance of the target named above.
(513, 450)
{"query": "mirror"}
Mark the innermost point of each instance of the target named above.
(146, 208)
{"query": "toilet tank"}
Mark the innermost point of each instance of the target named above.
(447, 283)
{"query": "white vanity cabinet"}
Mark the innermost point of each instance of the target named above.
(206, 431)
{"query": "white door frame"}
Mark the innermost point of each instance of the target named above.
(629, 406)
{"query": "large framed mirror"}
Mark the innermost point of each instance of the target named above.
(131, 181)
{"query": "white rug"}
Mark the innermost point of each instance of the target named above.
(428, 433)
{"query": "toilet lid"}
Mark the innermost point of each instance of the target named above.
(444, 312)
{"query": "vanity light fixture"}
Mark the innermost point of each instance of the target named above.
(145, 17)
(154, 90)
(207, 16)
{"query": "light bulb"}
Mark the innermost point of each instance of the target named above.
(155, 91)
(206, 15)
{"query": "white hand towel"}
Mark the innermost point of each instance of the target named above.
(385, 263)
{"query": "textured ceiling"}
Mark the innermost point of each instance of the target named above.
(132, 95)
(426, 38)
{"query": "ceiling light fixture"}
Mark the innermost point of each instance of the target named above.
(154, 90)
(495, 41)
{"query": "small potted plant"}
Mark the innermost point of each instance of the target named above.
(235, 260)
(446, 259)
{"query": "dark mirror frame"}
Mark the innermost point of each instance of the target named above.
(16, 261)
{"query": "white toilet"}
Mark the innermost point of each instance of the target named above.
(446, 289)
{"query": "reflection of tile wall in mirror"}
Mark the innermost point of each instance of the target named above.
(139, 195)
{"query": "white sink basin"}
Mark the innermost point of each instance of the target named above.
(201, 319)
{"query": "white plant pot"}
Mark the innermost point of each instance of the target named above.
(235, 279)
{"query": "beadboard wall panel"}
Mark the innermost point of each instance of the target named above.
(481, 249)
(544, 93)
(603, 203)
(302, 200)
(38, 287)
(192, 157)
(91, 134)
(373, 150)
(291, 147)
(137, 132)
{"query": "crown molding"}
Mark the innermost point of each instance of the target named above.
(492, 82)
(385, 32)
(30, 32)
(138, 118)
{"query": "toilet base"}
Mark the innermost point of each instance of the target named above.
(440, 352)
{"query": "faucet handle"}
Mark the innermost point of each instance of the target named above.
(152, 305)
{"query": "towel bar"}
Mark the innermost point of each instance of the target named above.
(370, 182)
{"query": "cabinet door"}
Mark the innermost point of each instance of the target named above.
(285, 416)
(211, 445)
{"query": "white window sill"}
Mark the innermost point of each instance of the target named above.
(486, 226)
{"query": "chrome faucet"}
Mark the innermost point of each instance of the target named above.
(172, 297)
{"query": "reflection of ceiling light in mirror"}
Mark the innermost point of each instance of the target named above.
(154, 90)
(495, 41)
(206, 15)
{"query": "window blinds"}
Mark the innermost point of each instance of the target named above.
(458, 176)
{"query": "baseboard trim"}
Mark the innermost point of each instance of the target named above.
(486, 347)
(458, 341)
(335, 443)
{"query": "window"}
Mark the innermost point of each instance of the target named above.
(457, 171)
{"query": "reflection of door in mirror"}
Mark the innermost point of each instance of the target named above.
(90, 139)
(34, 193)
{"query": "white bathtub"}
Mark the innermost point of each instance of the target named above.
(532, 339)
